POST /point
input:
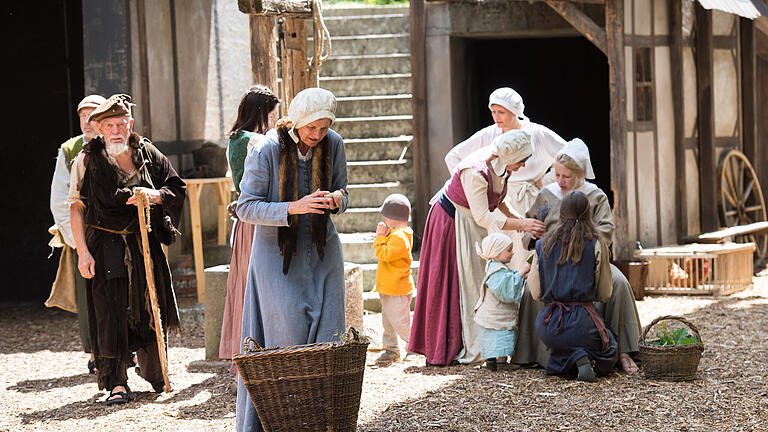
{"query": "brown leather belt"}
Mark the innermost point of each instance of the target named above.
(123, 232)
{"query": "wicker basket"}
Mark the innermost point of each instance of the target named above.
(305, 387)
(671, 363)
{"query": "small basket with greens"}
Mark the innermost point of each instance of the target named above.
(674, 354)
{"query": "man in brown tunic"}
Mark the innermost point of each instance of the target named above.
(105, 229)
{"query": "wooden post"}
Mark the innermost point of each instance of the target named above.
(193, 192)
(419, 108)
(706, 116)
(143, 208)
(749, 92)
(263, 51)
(146, 113)
(678, 104)
(614, 31)
(581, 22)
(293, 59)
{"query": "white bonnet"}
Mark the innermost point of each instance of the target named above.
(493, 245)
(511, 147)
(578, 151)
(509, 99)
(309, 105)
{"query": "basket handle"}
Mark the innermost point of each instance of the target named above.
(247, 345)
(671, 317)
(353, 335)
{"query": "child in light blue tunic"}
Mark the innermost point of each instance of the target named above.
(497, 308)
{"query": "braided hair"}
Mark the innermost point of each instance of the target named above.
(253, 111)
(572, 230)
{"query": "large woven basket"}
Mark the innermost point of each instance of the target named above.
(305, 387)
(671, 363)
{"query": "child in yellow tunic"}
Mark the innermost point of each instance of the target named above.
(394, 282)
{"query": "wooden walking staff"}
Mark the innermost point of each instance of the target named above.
(142, 203)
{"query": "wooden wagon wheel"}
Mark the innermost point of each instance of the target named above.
(741, 198)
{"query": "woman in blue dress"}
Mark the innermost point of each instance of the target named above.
(295, 289)
(573, 272)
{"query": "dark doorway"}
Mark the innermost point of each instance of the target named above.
(45, 58)
(563, 82)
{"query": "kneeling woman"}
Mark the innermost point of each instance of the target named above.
(573, 271)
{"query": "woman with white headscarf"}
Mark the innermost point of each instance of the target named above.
(507, 110)
(572, 166)
(470, 206)
(295, 289)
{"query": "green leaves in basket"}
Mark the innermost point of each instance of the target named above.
(676, 337)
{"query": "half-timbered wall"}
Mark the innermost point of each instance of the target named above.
(651, 156)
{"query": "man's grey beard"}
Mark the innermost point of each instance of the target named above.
(114, 149)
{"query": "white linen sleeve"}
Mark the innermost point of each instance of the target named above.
(59, 193)
(478, 140)
(476, 191)
(75, 177)
(534, 283)
(548, 142)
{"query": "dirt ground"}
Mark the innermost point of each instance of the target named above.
(44, 384)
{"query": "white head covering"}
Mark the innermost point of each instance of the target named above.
(493, 245)
(578, 151)
(509, 99)
(309, 105)
(510, 147)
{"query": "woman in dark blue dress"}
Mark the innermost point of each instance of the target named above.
(573, 272)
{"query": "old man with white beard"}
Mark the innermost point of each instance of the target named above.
(105, 228)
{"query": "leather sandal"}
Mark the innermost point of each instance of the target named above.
(123, 399)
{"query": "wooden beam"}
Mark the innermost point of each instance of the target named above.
(420, 145)
(749, 92)
(614, 32)
(293, 59)
(678, 105)
(263, 51)
(581, 22)
(146, 112)
(706, 119)
(282, 8)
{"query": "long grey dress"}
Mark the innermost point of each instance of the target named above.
(307, 304)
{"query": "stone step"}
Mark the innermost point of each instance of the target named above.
(363, 9)
(372, 303)
(374, 127)
(374, 64)
(386, 105)
(369, 274)
(367, 85)
(372, 195)
(366, 44)
(366, 149)
(358, 247)
(357, 219)
(364, 24)
(366, 172)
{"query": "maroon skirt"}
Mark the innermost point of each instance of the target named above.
(232, 322)
(436, 328)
